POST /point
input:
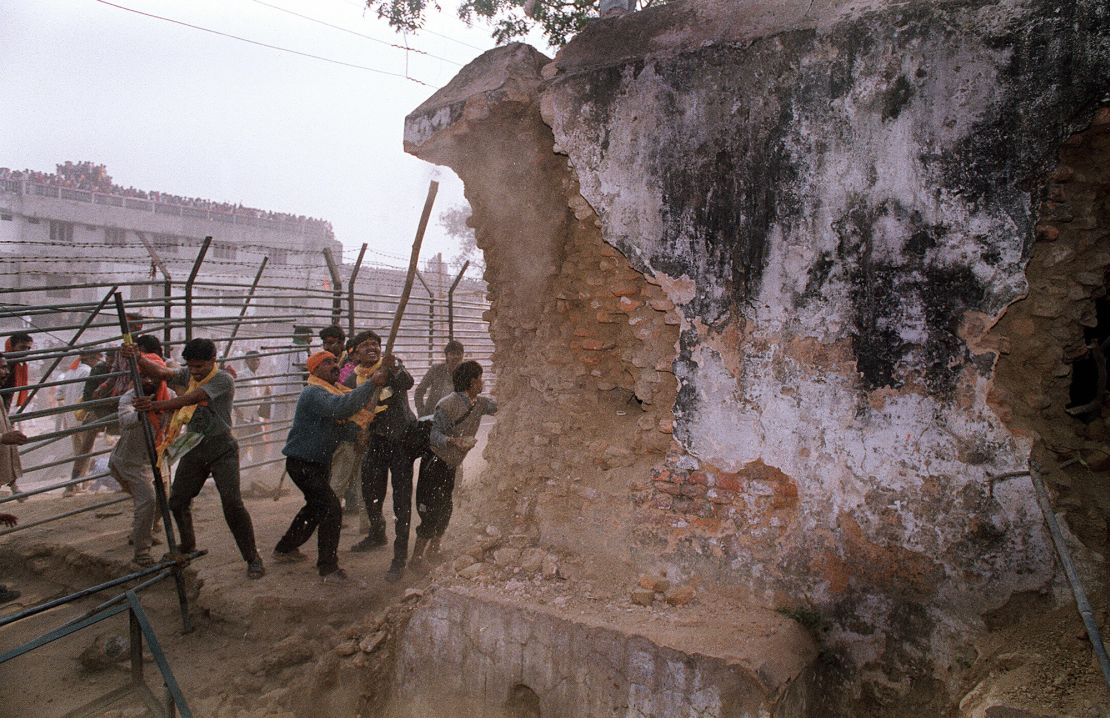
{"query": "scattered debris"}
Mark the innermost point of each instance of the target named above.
(106, 650)
(368, 644)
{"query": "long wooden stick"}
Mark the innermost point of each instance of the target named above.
(414, 258)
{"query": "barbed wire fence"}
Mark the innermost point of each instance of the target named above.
(68, 314)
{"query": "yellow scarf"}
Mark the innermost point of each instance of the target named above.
(362, 374)
(182, 416)
(362, 418)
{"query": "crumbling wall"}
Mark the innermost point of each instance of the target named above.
(584, 344)
(839, 199)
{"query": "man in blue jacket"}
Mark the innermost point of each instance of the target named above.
(319, 423)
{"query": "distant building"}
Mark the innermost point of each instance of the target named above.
(74, 227)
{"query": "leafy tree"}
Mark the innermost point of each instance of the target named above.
(510, 19)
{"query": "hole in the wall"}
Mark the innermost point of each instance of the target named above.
(1084, 401)
(522, 702)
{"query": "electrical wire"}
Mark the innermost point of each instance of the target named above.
(353, 32)
(264, 44)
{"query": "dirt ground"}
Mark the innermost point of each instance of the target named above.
(257, 646)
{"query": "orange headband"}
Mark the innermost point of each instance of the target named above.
(317, 359)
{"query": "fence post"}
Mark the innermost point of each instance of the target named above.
(451, 301)
(351, 292)
(336, 287)
(431, 319)
(76, 336)
(189, 287)
(167, 291)
(246, 305)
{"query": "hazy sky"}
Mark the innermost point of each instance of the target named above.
(174, 109)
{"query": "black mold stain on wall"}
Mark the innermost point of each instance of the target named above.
(1007, 153)
(885, 295)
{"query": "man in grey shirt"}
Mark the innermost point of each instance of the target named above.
(212, 393)
(129, 464)
(454, 426)
(437, 384)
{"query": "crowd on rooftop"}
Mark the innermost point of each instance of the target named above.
(91, 177)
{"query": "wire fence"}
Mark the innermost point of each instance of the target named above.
(75, 332)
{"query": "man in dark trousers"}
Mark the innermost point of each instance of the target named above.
(202, 409)
(387, 457)
(319, 423)
(454, 427)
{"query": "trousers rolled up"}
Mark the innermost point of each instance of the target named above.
(83, 443)
(321, 512)
(434, 489)
(140, 484)
(218, 457)
(387, 460)
(346, 471)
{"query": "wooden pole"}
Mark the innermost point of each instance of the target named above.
(414, 258)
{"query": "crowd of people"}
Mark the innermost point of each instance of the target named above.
(91, 177)
(352, 434)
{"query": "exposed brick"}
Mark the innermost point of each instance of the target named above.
(693, 490)
(593, 344)
(663, 502)
(728, 482)
(720, 496)
(668, 488)
(624, 289)
(629, 305)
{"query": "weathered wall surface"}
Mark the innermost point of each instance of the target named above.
(839, 202)
(468, 653)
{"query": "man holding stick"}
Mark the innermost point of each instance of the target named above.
(130, 462)
(207, 447)
(319, 423)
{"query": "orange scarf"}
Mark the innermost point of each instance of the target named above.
(362, 418)
(19, 376)
(162, 393)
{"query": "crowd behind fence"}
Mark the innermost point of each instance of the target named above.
(264, 322)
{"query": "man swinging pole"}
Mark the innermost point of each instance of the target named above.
(152, 455)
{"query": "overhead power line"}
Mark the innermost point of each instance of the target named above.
(362, 4)
(340, 28)
(266, 45)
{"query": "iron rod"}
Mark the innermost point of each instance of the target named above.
(1062, 552)
(155, 468)
(72, 341)
(451, 301)
(246, 305)
(351, 291)
(77, 595)
(336, 287)
(67, 514)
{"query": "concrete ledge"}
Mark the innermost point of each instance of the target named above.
(468, 652)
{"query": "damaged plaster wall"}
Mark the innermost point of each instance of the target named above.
(839, 201)
(584, 343)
